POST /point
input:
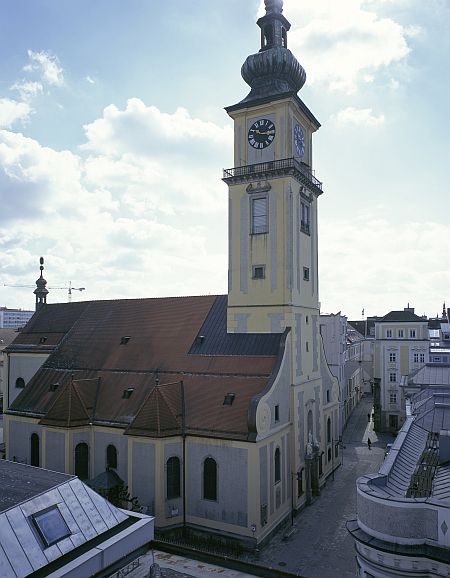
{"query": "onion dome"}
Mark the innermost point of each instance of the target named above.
(274, 70)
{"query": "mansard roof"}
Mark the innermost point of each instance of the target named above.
(401, 316)
(121, 362)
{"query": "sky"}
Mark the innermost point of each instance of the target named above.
(113, 137)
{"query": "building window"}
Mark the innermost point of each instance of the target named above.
(307, 346)
(392, 377)
(34, 450)
(422, 358)
(277, 413)
(393, 422)
(258, 272)
(321, 464)
(259, 215)
(416, 358)
(307, 320)
(305, 273)
(389, 333)
(20, 382)
(412, 333)
(210, 479)
(392, 358)
(299, 483)
(328, 396)
(82, 461)
(277, 461)
(173, 478)
(400, 333)
(329, 455)
(305, 217)
(392, 398)
(329, 431)
(111, 457)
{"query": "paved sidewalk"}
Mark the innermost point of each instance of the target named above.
(321, 546)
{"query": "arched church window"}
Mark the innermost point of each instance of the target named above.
(173, 478)
(277, 465)
(82, 461)
(210, 479)
(34, 450)
(111, 457)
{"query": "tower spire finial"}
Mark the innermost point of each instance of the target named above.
(41, 290)
(274, 6)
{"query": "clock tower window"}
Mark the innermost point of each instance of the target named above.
(259, 216)
(305, 217)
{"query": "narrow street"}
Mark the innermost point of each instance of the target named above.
(321, 546)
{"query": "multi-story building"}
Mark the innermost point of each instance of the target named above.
(14, 318)
(439, 332)
(403, 519)
(219, 413)
(344, 351)
(6, 337)
(401, 345)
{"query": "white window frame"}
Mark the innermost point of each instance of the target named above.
(392, 377)
(388, 333)
(400, 333)
(412, 333)
(392, 357)
(392, 398)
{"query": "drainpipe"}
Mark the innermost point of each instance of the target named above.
(183, 436)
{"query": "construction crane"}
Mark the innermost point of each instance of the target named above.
(69, 289)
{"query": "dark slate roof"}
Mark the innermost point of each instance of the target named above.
(93, 368)
(19, 483)
(215, 340)
(400, 316)
(364, 326)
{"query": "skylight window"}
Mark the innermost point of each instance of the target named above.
(50, 526)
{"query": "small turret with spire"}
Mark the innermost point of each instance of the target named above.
(41, 290)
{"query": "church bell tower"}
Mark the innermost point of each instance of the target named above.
(273, 193)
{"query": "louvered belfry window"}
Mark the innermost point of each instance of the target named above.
(259, 216)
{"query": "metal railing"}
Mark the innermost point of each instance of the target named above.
(280, 166)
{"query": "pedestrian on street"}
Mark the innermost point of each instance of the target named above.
(369, 443)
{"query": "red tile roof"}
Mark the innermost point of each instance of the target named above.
(140, 345)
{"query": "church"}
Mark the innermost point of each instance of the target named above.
(219, 413)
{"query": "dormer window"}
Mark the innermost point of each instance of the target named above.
(127, 392)
(229, 398)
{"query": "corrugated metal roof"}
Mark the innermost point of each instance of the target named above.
(431, 374)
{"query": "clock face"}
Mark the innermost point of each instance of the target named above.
(299, 140)
(261, 133)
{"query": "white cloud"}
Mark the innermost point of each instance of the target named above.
(12, 111)
(119, 219)
(47, 65)
(358, 117)
(28, 89)
(89, 79)
(344, 44)
(383, 265)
